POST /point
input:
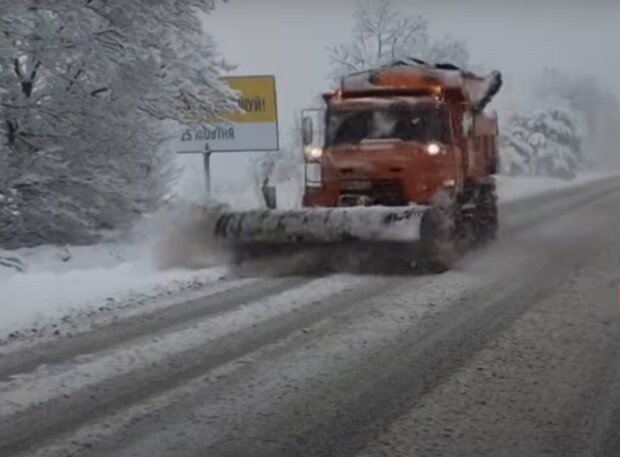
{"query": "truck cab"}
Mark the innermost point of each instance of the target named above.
(396, 137)
(382, 151)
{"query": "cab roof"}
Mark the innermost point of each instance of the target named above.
(416, 77)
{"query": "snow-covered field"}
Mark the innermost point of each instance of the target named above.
(56, 282)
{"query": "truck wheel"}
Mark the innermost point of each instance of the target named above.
(487, 215)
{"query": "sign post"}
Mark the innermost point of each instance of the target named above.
(254, 130)
(206, 159)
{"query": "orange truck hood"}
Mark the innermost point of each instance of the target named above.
(379, 158)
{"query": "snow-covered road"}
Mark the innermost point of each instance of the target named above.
(513, 353)
(72, 286)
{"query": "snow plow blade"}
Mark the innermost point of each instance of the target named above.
(393, 234)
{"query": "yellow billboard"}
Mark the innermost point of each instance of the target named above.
(257, 97)
(256, 129)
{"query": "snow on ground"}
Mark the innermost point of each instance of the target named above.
(57, 259)
(61, 281)
(47, 283)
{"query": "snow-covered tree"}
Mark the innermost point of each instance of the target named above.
(516, 153)
(595, 103)
(382, 34)
(545, 142)
(88, 92)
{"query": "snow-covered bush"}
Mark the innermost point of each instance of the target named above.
(596, 104)
(544, 142)
(88, 93)
(516, 154)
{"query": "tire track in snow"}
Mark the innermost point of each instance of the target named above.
(233, 295)
(128, 374)
(217, 382)
(546, 386)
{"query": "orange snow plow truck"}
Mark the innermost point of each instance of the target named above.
(400, 160)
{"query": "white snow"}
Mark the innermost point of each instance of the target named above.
(288, 195)
(59, 281)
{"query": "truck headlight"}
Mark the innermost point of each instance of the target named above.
(433, 149)
(313, 153)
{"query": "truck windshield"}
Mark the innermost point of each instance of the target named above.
(404, 123)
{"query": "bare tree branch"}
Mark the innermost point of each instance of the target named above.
(382, 34)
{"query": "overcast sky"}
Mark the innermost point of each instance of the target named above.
(289, 38)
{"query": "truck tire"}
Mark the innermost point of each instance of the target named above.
(487, 214)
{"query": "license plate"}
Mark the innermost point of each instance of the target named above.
(356, 185)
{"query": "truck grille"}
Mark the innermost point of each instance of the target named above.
(388, 193)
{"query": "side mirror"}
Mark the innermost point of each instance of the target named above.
(307, 131)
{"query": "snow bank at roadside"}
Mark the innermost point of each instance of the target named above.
(59, 282)
(59, 259)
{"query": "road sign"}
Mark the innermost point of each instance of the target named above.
(254, 130)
